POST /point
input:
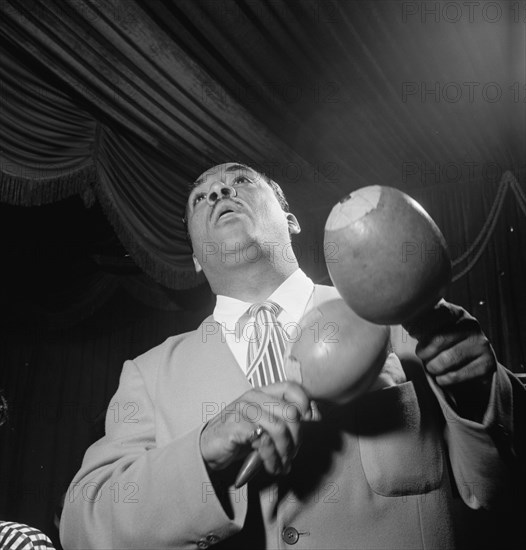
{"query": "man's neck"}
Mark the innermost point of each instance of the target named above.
(254, 282)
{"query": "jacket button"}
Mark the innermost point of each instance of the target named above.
(212, 539)
(202, 544)
(290, 535)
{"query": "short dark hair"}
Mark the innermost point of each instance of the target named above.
(278, 191)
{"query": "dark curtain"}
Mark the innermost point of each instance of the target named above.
(486, 233)
(112, 107)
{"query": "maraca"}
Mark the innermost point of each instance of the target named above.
(389, 261)
(335, 355)
(338, 355)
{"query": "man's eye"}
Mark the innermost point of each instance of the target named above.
(198, 198)
(240, 179)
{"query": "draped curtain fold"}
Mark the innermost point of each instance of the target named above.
(135, 99)
(128, 101)
(117, 63)
(47, 142)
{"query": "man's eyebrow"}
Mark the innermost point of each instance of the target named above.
(231, 168)
(235, 167)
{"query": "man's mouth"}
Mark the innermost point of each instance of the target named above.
(229, 211)
(224, 210)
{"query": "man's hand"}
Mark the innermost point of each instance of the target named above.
(458, 355)
(277, 408)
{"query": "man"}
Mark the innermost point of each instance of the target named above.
(377, 473)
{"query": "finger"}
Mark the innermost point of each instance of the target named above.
(241, 436)
(262, 408)
(286, 438)
(291, 393)
(462, 353)
(280, 408)
(256, 434)
(279, 420)
(428, 348)
(480, 369)
(453, 358)
(223, 442)
(315, 412)
(273, 398)
(272, 461)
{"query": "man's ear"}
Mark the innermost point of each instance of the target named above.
(294, 226)
(197, 265)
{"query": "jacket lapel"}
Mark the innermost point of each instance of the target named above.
(202, 378)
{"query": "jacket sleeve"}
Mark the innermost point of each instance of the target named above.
(483, 455)
(129, 493)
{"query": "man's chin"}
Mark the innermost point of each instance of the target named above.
(228, 247)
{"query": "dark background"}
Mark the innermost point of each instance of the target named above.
(328, 96)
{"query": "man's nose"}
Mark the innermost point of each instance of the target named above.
(219, 190)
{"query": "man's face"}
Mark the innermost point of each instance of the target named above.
(230, 209)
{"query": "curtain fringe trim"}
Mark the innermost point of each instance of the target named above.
(20, 191)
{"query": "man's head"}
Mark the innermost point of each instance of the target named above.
(232, 209)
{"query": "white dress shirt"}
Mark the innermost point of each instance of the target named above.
(293, 295)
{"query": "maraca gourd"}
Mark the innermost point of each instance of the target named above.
(337, 354)
(389, 260)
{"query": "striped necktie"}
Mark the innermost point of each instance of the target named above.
(266, 348)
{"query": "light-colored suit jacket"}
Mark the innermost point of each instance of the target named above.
(378, 473)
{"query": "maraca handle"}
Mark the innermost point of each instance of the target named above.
(427, 320)
(250, 468)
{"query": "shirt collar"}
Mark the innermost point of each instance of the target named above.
(292, 295)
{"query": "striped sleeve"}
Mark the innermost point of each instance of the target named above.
(16, 536)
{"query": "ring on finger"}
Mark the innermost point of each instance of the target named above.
(256, 434)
